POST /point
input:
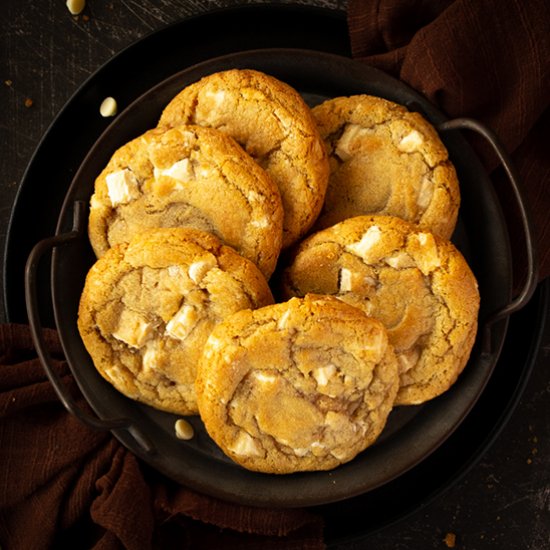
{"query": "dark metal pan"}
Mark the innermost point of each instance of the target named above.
(412, 433)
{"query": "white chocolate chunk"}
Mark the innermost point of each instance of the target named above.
(368, 240)
(151, 359)
(182, 323)
(122, 187)
(132, 329)
(323, 374)
(261, 223)
(197, 270)
(400, 261)
(345, 280)
(245, 446)
(301, 452)
(411, 142)
(108, 107)
(283, 321)
(425, 193)
(182, 170)
(265, 379)
(217, 96)
(408, 359)
(429, 259)
(183, 429)
(339, 455)
(347, 142)
(175, 271)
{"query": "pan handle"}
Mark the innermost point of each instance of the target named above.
(531, 281)
(31, 299)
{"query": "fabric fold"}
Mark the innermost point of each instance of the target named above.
(486, 60)
(63, 484)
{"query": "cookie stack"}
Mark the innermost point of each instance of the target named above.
(283, 271)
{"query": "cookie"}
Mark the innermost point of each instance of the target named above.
(386, 160)
(274, 125)
(149, 305)
(188, 177)
(416, 283)
(297, 386)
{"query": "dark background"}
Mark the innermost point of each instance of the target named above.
(502, 501)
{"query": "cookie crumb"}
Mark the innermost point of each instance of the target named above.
(450, 540)
(28, 102)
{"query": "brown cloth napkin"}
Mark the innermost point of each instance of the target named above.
(484, 59)
(63, 485)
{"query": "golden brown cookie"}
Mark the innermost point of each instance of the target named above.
(148, 307)
(386, 160)
(188, 177)
(417, 284)
(274, 125)
(296, 386)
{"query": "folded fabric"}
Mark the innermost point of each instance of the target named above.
(484, 59)
(63, 485)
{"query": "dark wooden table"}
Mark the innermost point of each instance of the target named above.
(503, 501)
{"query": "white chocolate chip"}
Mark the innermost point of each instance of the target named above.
(197, 270)
(132, 329)
(422, 238)
(411, 142)
(151, 359)
(348, 140)
(108, 107)
(245, 446)
(408, 359)
(182, 170)
(122, 186)
(301, 452)
(261, 223)
(217, 96)
(182, 323)
(339, 455)
(283, 321)
(265, 379)
(368, 240)
(345, 280)
(175, 271)
(400, 261)
(425, 193)
(76, 6)
(183, 429)
(323, 374)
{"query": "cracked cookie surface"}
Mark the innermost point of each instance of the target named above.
(188, 177)
(297, 386)
(417, 284)
(148, 307)
(385, 160)
(274, 125)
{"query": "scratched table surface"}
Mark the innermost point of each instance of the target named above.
(502, 500)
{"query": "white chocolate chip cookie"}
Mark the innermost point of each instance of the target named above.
(297, 386)
(148, 307)
(188, 177)
(274, 125)
(417, 284)
(386, 160)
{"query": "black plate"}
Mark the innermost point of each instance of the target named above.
(239, 29)
(412, 433)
